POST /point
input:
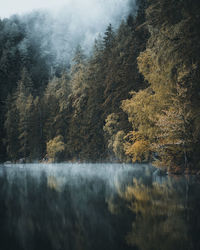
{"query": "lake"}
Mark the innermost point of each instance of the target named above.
(97, 207)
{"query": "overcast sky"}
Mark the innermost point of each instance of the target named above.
(69, 22)
(10, 7)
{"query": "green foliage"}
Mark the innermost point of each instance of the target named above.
(22, 123)
(55, 104)
(135, 97)
(118, 146)
(19, 50)
(11, 128)
(115, 137)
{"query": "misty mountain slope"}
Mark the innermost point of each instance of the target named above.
(44, 42)
(131, 94)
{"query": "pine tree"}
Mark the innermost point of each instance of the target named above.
(11, 128)
(108, 38)
(24, 104)
(55, 104)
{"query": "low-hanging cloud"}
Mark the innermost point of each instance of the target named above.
(76, 22)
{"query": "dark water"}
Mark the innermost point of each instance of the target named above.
(97, 207)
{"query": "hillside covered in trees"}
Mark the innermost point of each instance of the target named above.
(135, 97)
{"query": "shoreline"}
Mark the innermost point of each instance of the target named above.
(175, 172)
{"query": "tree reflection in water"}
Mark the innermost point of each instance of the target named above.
(51, 210)
(159, 222)
(166, 213)
(97, 207)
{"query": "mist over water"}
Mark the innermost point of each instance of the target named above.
(110, 174)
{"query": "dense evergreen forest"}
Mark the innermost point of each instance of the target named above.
(136, 97)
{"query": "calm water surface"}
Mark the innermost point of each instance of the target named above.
(97, 207)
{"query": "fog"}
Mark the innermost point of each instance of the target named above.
(61, 27)
(75, 173)
(11, 7)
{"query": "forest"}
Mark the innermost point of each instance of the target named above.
(134, 98)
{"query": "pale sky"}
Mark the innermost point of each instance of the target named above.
(10, 7)
(72, 21)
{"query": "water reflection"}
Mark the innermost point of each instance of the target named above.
(159, 222)
(166, 213)
(97, 207)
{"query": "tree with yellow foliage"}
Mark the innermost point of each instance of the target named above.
(55, 149)
(165, 116)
